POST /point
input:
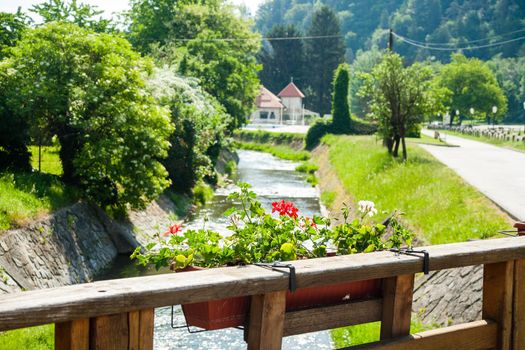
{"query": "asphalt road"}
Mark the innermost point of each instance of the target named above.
(497, 172)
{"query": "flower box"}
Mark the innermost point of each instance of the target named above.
(233, 312)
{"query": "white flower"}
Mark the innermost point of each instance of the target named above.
(367, 208)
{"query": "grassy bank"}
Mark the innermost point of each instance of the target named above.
(34, 338)
(437, 203)
(26, 196)
(520, 146)
(281, 145)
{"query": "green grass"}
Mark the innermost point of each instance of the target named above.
(34, 338)
(260, 136)
(279, 151)
(438, 205)
(26, 196)
(309, 169)
(50, 160)
(508, 144)
(368, 332)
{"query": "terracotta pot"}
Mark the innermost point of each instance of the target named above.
(233, 312)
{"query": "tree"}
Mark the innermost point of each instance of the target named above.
(400, 98)
(509, 74)
(323, 56)
(200, 127)
(341, 122)
(150, 23)
(14, 130)
(226, 69)
(89, 90)
(282, 59)
(12, 25)
(80, 14)
(472, 84)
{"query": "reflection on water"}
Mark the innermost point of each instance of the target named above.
(272, 179)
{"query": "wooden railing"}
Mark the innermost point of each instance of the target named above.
(118, 314)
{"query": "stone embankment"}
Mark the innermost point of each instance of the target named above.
(73, 244)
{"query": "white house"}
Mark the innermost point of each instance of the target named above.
(287, 108)
(292, 99)
(269, 108)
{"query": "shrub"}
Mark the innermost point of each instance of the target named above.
(342, 122)
(316, 132)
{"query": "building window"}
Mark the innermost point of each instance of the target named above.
(264, 115)
(272, 115)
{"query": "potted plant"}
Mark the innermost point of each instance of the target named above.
(282, 235)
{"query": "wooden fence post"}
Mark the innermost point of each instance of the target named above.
(518, 312)
(397, 306)
(266, 326)
(498, 283)
(72, 335)
(132, 331)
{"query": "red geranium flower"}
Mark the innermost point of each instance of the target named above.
(173, 230)
(285, 208)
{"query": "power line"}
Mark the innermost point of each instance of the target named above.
(497, 36)
(268, 38)
(427, 47)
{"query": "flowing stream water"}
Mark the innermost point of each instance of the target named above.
(272, 179)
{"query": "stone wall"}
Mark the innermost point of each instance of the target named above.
(73, 244)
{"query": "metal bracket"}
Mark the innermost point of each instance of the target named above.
(292, 285)
(509, 233)
(418, 253)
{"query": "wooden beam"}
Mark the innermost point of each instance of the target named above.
(498, 280)
(518, 324)
(318, 319)
(132, 331)
(119, 296)
(72, 335)
(397, 306)
(478, 335)
(265, 330)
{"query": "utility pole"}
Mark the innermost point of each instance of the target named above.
(391, 40)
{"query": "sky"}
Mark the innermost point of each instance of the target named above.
(109, 6)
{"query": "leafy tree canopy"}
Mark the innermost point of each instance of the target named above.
(323, 57)
(471, 84)
(89, 90)
(400, 98)
(282, 59)
(227, 69)
(82, 15)
(12, 25)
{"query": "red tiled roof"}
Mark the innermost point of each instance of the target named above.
(291, 91)
(266, 99)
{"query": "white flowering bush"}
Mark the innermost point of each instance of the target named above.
(200, 127)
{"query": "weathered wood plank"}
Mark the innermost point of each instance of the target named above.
(72, 335)
(265, 330)
(397, 306)
(318, 319)
(110, 332)
(147, 325)
(498, 281)
(518, 324)
(478, 335)
(118, 296)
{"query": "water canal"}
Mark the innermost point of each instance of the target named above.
(272, 179)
